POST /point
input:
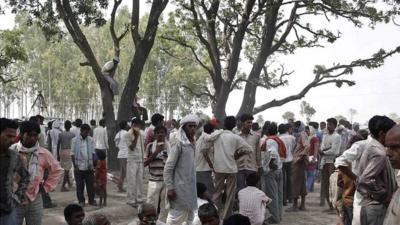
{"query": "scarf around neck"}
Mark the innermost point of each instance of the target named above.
(31, 164)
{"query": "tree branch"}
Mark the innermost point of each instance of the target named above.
(323, 77)
(206, 92)
(193, 50)
(116, 39)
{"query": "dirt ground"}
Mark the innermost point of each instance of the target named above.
(120, 213)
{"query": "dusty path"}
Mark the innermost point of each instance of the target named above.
(121, 214)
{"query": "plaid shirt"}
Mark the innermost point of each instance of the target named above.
(16, 183)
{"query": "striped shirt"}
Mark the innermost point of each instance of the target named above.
(252, 203)
(156, 166)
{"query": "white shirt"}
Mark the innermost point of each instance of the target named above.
(352, 156)
(331, 141)
(173, 136)
(201, 162)
(100, 138)
(271, 153)
(76, 130)
(226, 143)
(121, 144)
(252, 203)
(137, 153)
(290, 143)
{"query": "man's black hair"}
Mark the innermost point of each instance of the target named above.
(123, 124)
(265, 127)
(315, 125)
(85, 126)
(255, 127)
(78, 122)
(136, 120)
(34, 119)
(244, 117)
(101, 154)
(208, 128)
(160, 127)
(379, 124)
(332, 121)
(252, 179)
(272, 129)
(40, 117)
(102, 122)
(71, 209)
(283, 128)
(156, 119)
(67, 125)
(93, 122)
(201, 188)
(237, 219)
(229, 122)
(29, 126)
(7, 123)
(208, 210)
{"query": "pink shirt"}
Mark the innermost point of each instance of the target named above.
(252, 203)
(46, 161)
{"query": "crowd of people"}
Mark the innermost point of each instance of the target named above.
(202, 172)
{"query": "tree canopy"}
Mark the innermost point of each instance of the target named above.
(11, 51)
(222, 35)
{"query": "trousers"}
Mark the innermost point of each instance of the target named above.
(32, 212)
(287, 181)
(180, 216)
(9, 219)
(134, 180)
(241, 179)
(274, 190)
(327, 171)
(372, 214)
(84, 178)
(205, 177)
(156, 195)
(225, 182)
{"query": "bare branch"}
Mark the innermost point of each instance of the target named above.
(206, 92)
(323, 77)
(5, 81)
(193, 50)
(84, 63)
(289, 27)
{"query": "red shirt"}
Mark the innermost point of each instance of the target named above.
(101, 173)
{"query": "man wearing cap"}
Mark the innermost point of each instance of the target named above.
(134, 174)
(180, 174)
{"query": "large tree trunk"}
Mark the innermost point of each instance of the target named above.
(220, 105)
(109, 116)
(132, 84)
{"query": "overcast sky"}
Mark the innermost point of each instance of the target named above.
(376, 91)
